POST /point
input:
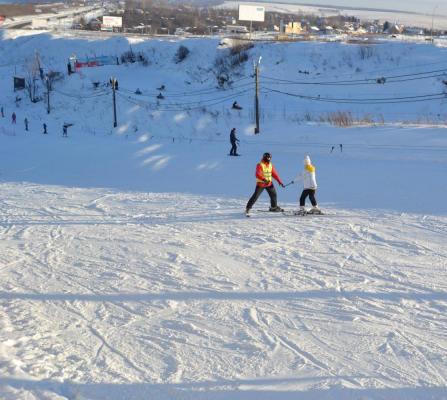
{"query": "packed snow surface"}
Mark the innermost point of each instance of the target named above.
(128, 269)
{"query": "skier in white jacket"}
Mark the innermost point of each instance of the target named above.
(309, 187)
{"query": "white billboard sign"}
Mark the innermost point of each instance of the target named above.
(112, 22)
(38, 23)
(251, 13)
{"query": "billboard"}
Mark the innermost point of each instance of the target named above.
(112, 22)
(251, 13)
(38, 23)
(96, 62)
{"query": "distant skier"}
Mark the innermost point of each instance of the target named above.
(265, 171)
(310, 187)
(233, 140)
(13, 118)
(236, 106)
(45, 129)
(26, 124)
(2, 112)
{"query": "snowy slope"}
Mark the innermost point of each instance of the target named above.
(127, 268)
(112, 295)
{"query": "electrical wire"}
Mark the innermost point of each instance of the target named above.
(190, 93)
(389, 100)
(186, 94)
(365, 81)
(178, 107)
(78, 96)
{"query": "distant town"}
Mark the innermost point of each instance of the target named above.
(150, 17)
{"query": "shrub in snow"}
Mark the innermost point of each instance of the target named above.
(132, 57)
(181, 54)
(54, 76)
(366, 52)
(230, 60)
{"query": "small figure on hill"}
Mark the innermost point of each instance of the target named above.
(138, 91)
(233, 140)
(236, 106)
(64, 130)
(13, 118)
(309, 187)
(265, 173)
(2, 112)
(45, 128)
(111, 81)
(26, 124)
(160, 96)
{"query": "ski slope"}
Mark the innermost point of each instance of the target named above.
(137, 295)
(129, 271)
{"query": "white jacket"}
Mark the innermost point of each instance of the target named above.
(308, 175)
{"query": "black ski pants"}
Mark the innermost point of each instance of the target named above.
(311, 194)
(259, 189)
(233, 150)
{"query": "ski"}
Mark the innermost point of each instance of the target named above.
(295, 213)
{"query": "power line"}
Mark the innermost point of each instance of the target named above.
(79, 96)
(365, 81)
(178, 107)
(388, 100)
(203, 91)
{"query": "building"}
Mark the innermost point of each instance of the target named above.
(396, 29)
(236, 29)
(293, 28)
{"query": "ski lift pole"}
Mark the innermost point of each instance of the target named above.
(113, 81)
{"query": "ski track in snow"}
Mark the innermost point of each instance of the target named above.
(170, 296)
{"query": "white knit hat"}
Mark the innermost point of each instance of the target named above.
(307, 160)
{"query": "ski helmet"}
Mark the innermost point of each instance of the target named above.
(267, 157)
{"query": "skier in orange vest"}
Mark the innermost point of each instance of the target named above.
(265, 171)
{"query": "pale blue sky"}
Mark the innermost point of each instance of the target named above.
(420, 6)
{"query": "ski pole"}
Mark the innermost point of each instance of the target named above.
(289, 183)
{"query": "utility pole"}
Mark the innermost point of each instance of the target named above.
(113, 81)
(257, 95)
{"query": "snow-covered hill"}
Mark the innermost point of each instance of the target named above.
(127, 268)
(134, 295)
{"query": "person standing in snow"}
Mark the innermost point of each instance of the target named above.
(265, 171)
(309, 187)
(26, 124)
(13, 118)
(233, 141)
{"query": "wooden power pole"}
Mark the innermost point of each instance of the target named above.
(113, 81)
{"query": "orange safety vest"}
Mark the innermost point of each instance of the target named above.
(266, 171)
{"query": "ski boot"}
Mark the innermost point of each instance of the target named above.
(247, 212)
(301, 211)
(315, 210)
(276, 209)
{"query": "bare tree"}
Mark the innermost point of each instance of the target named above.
(32, 75)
